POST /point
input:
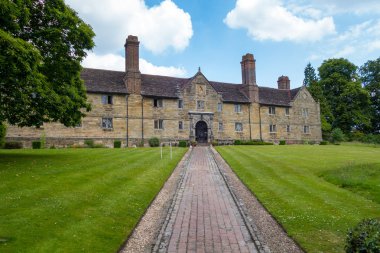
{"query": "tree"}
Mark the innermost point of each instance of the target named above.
(315, 89)
(42, 44)
(370, 75)
(310, 76)
(348, 101)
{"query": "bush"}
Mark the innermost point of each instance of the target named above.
(282, 142)
(117, 144)
(36, 144)
(365, 237)
(182, 144)
(3, 132)
(337, 135)
(89, 143)
(215, 143)
(154, 142)
(323, 143)
(237, 142)
(13, 145)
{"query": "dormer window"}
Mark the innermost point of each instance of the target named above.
(107, 99)
(157, 102)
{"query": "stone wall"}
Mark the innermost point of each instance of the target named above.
(135, 122)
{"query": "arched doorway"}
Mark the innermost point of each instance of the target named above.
(201, 132)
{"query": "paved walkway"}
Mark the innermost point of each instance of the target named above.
(204, 216)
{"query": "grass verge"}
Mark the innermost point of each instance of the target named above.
(71, 200)
(288, 181)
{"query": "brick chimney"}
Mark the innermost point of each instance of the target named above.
(248, 72)
(283, 83)
(132, 72)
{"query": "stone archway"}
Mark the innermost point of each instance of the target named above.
(207, 119)
(201, 132)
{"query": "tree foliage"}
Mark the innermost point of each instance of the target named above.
(370, 75)
(310, 76)
(42, 44)
(348, 101)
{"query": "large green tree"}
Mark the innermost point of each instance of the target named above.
(315, 89)
(370, 75)
(349, 102)
(42, 43)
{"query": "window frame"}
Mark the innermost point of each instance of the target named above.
(158, 103)
(180, 103)
(236, 128)
(104, 125)
(287, 111)
(220, 127)
(305, 112)
(107, 99)
(180, 125)
(200, 102)
(158, 124)
(272, 128)
(219, 107)
(306, 129)
(272, 110)
(288, 129)
(238, 108)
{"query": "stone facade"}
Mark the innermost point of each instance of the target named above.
(133, 107)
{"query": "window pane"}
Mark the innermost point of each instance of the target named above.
(104, 99)
(180, 103)
(180, 125)
(107, 123)
(238, 127)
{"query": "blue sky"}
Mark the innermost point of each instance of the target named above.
(178, 36)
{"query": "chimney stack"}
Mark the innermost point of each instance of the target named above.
(248, 69)
(248, 72)
(283, 83)
(133, 75)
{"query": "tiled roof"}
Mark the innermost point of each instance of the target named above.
(107, 81)
(162, 86)
(271, 96)
(230, 92)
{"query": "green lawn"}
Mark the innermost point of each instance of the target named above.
(72, 200)
(303, 187)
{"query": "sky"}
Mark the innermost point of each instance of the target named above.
(178, 36)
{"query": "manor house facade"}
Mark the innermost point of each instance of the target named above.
(133, 107)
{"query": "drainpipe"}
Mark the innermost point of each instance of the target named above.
(126, 100)
(261, 136)
(142, 118)
(249, 120)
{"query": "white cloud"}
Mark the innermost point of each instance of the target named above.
(116, 62)
(269, 20)
(159, 28)
(348, 6)
(357, 41)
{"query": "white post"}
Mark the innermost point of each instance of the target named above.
(161, 151)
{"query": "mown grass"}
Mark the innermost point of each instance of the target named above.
(290, 182)
(77, 200)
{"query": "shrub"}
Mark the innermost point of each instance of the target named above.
(337, 135)
(323, 143)
(365, 237)
(43, 140)
(13, 145)
(36, 144)
(215, 143)
(3, 132)
(98, 145)
(182, 144)
(154, 142)
(237, 142)
(89, 143)
(282, 142)
(117, 144)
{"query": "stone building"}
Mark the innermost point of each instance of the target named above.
(133, 107)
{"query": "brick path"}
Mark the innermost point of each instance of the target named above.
(204, 216)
